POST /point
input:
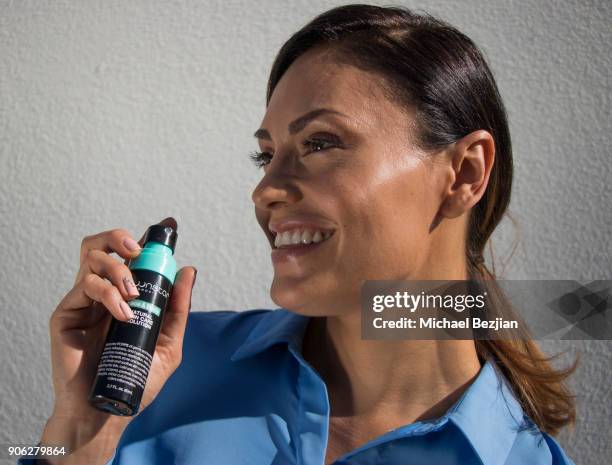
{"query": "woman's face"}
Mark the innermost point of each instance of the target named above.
(352, 169)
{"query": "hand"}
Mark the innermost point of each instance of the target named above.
(78, 328)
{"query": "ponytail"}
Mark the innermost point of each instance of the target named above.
(537, 384)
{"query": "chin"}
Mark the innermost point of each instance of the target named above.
(292, 297)
(315, 303)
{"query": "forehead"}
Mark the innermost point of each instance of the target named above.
(318, 80)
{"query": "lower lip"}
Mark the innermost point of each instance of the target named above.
(287, 253)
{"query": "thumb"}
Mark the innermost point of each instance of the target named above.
(175, 318)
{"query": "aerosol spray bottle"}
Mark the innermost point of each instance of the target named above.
(128, 351)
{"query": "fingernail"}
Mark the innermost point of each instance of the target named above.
(130, 287)
(195, 275)
(127, 311)
(131, 244)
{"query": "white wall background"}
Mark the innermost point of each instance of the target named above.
(119, 113)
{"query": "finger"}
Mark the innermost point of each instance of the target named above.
(119, 274)
(175, 318)
(117, 240)
(95, 288)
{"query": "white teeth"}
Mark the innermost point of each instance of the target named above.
(286, 240)
(306, 237)
(295, 238)
(278, 240)
(298, 236)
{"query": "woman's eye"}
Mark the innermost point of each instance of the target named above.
(318, 144)
(313, 144)
(260, 158)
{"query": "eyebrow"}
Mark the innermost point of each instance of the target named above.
(300, 123)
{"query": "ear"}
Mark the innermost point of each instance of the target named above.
(471, 161)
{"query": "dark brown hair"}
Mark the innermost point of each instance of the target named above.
(438, 72)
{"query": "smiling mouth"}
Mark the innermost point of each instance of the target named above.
(300, 238)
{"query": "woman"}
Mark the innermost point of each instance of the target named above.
(385, 147)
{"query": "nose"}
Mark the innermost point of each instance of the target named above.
(275, 188)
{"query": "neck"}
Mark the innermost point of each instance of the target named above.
(387, 382)
(384, 384)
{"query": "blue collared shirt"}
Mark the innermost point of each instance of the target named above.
(244, 394)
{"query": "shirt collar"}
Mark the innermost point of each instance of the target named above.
(274, 327)
(488, 414)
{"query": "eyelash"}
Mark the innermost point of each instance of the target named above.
(261, 159)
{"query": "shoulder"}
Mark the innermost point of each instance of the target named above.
(506, 434)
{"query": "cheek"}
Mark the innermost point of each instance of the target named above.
(387, 215)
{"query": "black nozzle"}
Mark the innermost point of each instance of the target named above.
(163, 234)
